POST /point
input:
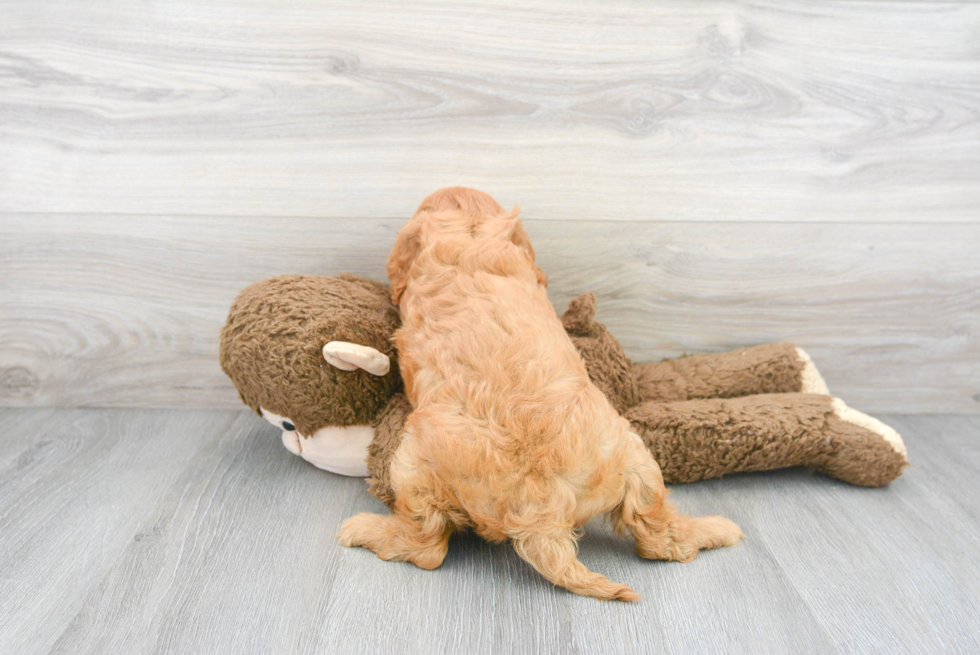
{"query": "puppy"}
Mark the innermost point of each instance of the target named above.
(508, 437)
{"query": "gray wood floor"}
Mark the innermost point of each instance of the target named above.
(193, 531)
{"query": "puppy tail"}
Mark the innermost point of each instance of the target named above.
(555, 557)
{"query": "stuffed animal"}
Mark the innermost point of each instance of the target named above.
(314, 357)
(753, 409)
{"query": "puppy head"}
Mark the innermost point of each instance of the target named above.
(457, 199)
(454, 212)
(273, 349)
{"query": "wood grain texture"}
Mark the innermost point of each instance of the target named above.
(126, 310)
(163, 531)
(763, 111)
(75, 488)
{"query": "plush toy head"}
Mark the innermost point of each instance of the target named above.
(310, 354)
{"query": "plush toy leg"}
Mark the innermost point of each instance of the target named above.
(388, 433)
(699, 439)
(771, 368)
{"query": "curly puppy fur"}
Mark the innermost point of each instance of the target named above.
(508, 437)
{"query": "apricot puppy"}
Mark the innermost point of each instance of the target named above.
(508, 437)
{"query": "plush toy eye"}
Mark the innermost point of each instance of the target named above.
(287, 426)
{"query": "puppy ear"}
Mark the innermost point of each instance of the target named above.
(351, 356)
(520, 239)
(402, 256)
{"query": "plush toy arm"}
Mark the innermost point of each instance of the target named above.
(699, 439)
(772, 368)
(388, 433)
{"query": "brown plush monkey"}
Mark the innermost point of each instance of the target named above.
(313, 356)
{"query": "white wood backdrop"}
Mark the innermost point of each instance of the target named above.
(720, 173)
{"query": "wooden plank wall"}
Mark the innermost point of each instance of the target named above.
(720, 173)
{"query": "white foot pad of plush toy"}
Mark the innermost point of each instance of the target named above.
(813, 382)
(861, 419)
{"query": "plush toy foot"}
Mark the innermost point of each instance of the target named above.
(810, 379)
(861, 449)
(701, 439)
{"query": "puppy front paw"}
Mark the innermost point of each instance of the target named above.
(359, 530)
(716, 532)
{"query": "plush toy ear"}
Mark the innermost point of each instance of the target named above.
(579, 318)
(352, 356)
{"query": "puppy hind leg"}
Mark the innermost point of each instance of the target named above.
(423, 542)
(554, 556)
(660, 531)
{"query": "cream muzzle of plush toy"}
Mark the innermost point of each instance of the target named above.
(338, 449)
